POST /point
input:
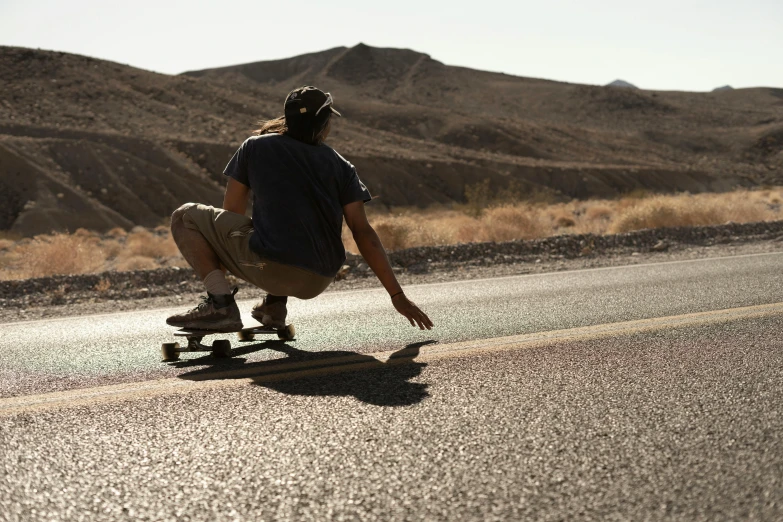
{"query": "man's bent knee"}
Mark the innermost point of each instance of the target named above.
(177, 215)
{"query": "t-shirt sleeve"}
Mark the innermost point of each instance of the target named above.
(352, 187)
(237, 166)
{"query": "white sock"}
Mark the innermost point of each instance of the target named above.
(216, 283)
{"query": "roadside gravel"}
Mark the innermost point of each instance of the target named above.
(122, 291)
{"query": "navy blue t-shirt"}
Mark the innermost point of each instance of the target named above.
(298, 195)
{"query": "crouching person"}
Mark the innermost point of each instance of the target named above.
(302, 189)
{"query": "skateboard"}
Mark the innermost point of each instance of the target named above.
(222, 347)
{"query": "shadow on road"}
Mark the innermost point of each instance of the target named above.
(326, 373)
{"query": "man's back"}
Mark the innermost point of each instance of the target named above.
(299, 191)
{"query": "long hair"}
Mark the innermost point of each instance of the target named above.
(275, 125)
(307, 129)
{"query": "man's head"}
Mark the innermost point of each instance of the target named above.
(308, 111)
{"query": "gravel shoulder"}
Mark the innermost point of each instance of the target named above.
(110, 292)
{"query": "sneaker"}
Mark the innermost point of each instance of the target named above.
(271, 315)
(214, 312)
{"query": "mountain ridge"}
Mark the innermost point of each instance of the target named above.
(418, 131)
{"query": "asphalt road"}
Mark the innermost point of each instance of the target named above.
(644, 392)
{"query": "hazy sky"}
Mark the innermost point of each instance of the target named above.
(660, 44)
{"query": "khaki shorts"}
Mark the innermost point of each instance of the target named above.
(229, 235)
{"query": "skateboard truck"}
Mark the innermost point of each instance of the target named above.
(220, 348)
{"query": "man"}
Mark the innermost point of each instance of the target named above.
(302, 189)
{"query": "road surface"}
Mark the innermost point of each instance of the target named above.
(643, 392)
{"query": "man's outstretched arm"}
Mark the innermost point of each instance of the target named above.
(373, 252)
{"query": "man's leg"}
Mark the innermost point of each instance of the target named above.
(219, 311)
(193, 245)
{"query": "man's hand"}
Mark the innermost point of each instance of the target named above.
(412, 312)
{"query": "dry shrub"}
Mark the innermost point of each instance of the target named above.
(659, 212)
(143, 243)
(446, 227)
(412, 228)
(598, 213)
(135, 263)
(564, 221)
(626, 203)
(524, 221)
(443, 228)
(774, 198)
(435, 228)
(58, 254)
(510, 222)
(677, 211)
(117, 232)
(83, 232)
(395, 232)
(112, 248)
(469, 232)
(499, 223)
(83, 252)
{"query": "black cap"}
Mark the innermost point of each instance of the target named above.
(308, 100)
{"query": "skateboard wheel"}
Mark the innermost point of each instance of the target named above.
(245, 336)
(169, 351)
(288, 333)
(221, 348)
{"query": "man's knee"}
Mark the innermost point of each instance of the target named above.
(177, 215)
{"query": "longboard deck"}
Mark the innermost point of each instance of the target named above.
(192, 332)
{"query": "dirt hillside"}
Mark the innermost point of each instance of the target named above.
(95, 144)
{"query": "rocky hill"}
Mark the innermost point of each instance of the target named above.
(622, 84)
(95, 144)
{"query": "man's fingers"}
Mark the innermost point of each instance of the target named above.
(414, 320)
(422, 323)
(416, 316)
(424, 319)
(421, 319)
